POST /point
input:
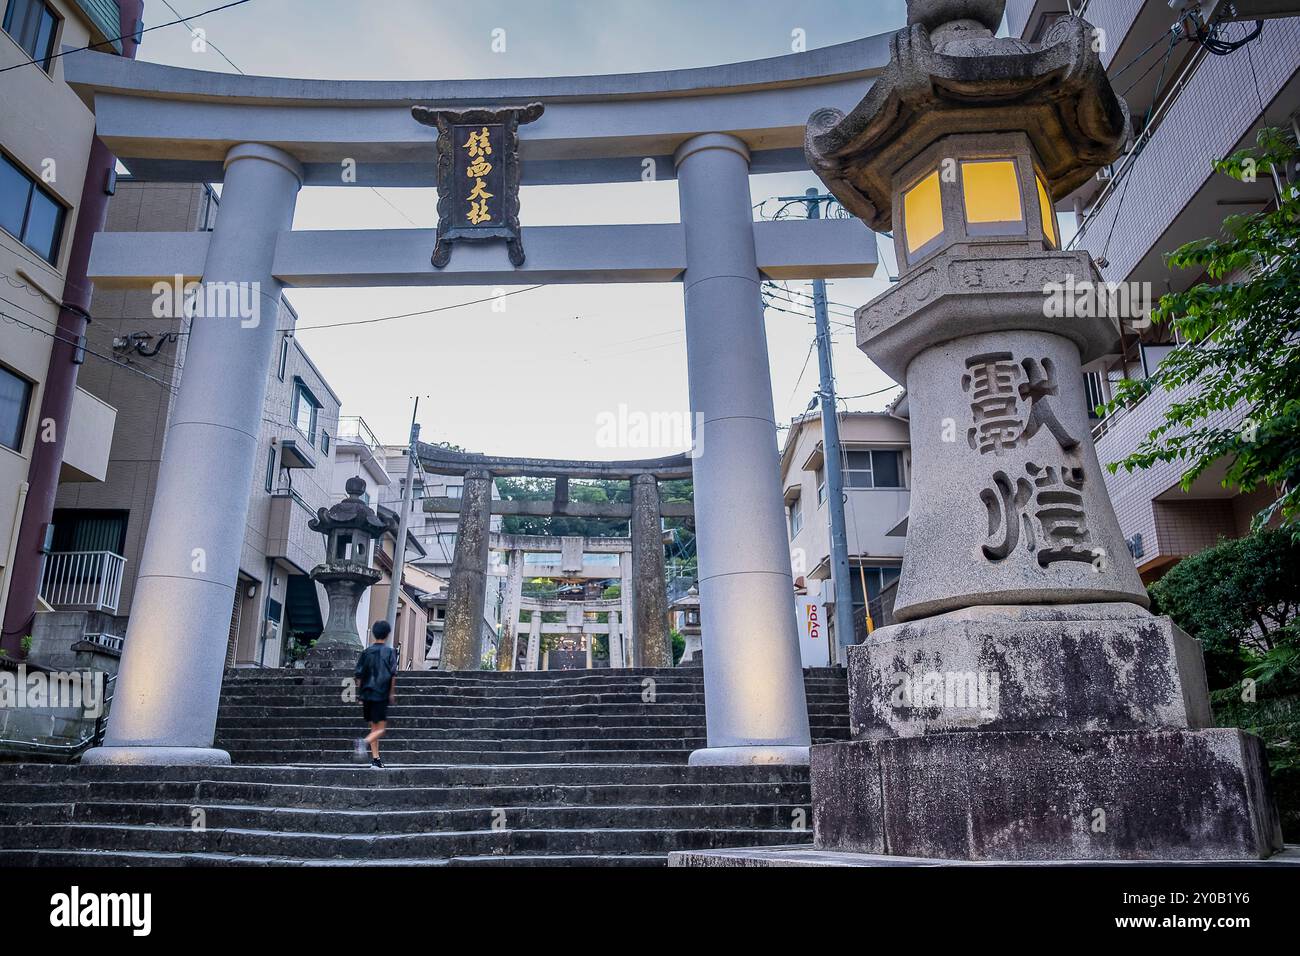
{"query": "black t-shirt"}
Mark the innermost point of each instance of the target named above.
(375, 669)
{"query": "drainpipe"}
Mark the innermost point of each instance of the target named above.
(67, 352)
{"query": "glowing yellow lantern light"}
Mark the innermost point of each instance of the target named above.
(1048, 214)
(992, 194)
(923, 213)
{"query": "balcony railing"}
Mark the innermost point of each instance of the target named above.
(353, 428)
(82, 580)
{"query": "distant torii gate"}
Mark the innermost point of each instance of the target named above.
(642, 565)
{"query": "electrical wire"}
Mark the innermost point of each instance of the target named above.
(124, 36)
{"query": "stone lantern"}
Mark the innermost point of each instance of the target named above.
(1026, 705)
(351, 528)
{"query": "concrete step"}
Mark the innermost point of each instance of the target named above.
(408, 776)
(377, 798)
(485, 769)
(221, 816)
(390, 846)
(106, 858)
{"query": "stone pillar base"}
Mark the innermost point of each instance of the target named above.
(332, 656)
(746, 756)
(1052, 795)
(155, 757)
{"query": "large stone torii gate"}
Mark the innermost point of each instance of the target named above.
(264, 138)
(644, 568)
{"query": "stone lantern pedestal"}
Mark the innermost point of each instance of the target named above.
(1026, 706)
(351, 527)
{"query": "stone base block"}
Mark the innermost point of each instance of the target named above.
(749, 756)
(332, 656)
(1109, 666)
(1058, 795)
(155, 757)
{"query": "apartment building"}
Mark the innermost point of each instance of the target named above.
(877, 475)
(1189, 107)
(46, 137)
(99, 531)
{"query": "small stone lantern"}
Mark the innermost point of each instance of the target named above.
(351, 528)
(1026, 705)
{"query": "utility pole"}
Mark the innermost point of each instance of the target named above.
(404, 519)
(831, 454)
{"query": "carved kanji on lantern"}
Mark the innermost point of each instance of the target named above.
(993, 381)
(478, 176)
(1049, 506)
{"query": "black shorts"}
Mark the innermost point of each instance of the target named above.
(374, 710)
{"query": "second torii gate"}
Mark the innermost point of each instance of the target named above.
(643, 564)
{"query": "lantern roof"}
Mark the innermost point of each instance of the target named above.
(949, 74)
(351, 512)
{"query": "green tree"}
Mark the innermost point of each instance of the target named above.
(1240, 599)
(1241, 329)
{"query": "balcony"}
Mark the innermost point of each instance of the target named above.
(90, 439)
(1164, 192)
(82, 580)
(354, 430)
(1161, 521)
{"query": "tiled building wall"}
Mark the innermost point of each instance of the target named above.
(143, 403)
(1165, 529)
(1215, 110)
(310, 485)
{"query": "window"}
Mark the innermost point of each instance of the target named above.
(873, 469)
(923, 215)
(796, 516)
(992, 196)
(324, 442)
(15, 400)
(34, 26)
(1048, 215)
(28, 212)
(82, 529)
(455, 491)
(821, 486)
(270, 469)
(284, 358)
(304, 410)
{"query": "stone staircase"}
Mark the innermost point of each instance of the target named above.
(485, 768)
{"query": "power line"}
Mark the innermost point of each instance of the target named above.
(88, 351)
(124, 36)
(407, 315)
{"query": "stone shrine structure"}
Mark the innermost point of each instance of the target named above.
(641, 561)
(264, 138)
(351, 528)
(1026, 705)
(572, 552)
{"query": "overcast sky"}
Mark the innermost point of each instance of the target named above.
(532, 380)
